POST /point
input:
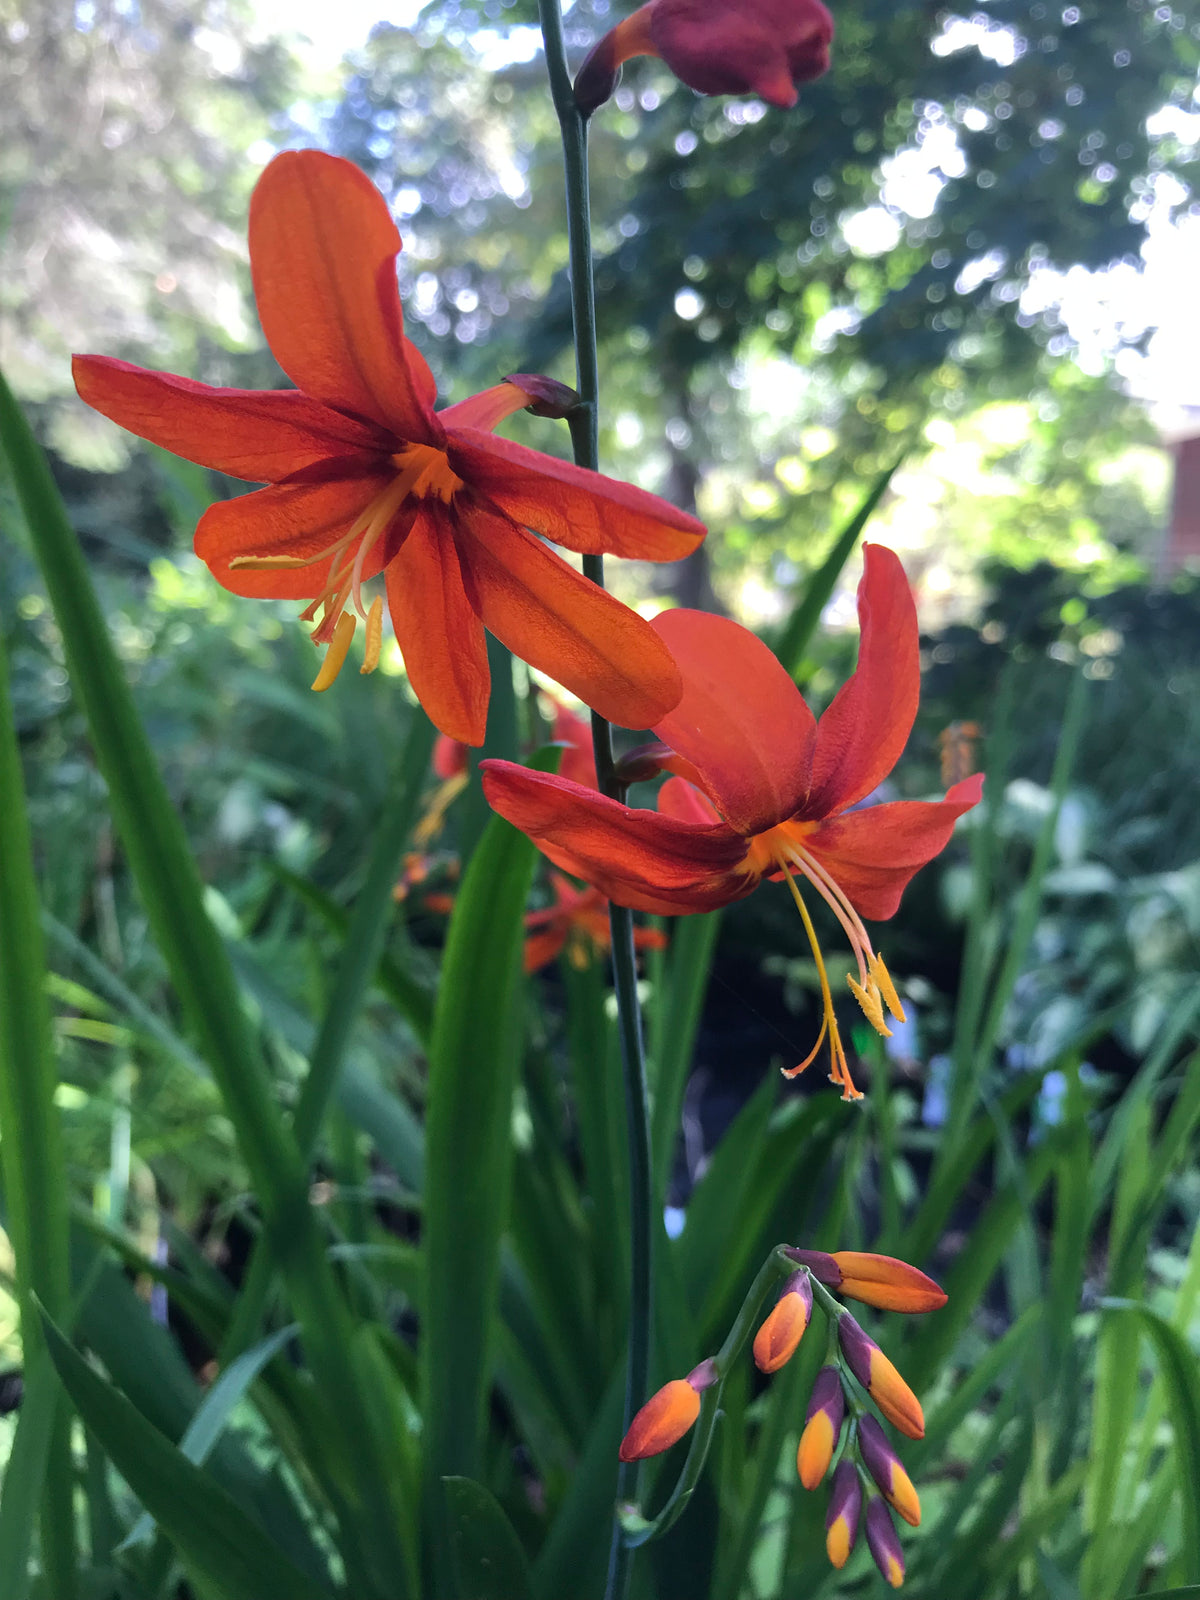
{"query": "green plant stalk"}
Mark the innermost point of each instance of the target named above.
(584, 425)
(640, 1530)
(169, 883)
(35, 1180)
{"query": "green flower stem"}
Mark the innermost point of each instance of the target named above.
(640, 1530)
(584, 425)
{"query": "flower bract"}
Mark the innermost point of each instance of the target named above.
(365, 478)
(761, 789)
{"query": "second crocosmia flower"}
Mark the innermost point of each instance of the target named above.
(578, 923)
(366, 479)
(761, 47)
(761, 789)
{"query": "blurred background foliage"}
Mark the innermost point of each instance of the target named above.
(777, 330)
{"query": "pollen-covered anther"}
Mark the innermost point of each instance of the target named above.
(335, 656)
(374, 639)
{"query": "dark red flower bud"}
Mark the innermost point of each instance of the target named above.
(762, 47)
(547, 397)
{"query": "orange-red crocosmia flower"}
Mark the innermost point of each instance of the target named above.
(762, 790)
(886, 1283)
(762, 47)
(578, 922)
(662, 1421)
(366, 478)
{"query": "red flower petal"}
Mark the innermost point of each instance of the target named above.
(683, 801)
(739, 46)
(322, 252)
(578, 509)
(742, 722)
(542, 947)
(863, 732)
(561, 622)
(873, 853)
(288, 519)
(442, 638)
(636, 858)
(260, 435)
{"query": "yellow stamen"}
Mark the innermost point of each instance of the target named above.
(335, 656)
(268, 563)
(883, 979)
(870, 1000)
(840, 1073)
(374, 637)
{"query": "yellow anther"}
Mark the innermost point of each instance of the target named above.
(269, 563)
(374, 637)
(335, 656)
(869, 999)
(887, 988)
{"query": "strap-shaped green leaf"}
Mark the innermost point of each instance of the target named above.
(468, 1154)
(212, 1533)
(488, 1560)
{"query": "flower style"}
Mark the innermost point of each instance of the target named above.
(366, 478)
(762, 47)
(578, 922)
(760, 789)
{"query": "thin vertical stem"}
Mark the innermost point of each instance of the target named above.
(584, 425)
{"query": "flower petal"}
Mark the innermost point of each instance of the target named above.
(542, 947)
(261, 435)
(561, 622)
(636, 858)
(865, 728)
(578, 509)
(438, 631)
(742, 723)
(322, 252)
(288, 519)
(873, 853)
(682, 800)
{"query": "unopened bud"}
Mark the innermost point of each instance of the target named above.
(823, 1424)
(884, 1543)
(880, 1379)
(841, 1520)
(884, 1282)
(547, 397)
(885, 1466)
(779, 1337)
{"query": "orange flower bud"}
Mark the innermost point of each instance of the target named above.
(841, 1520)
(884, 1465)
(662, 1421)
(884, 1282)
(777, 1339)
(823, 1423)
(880, 1379)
